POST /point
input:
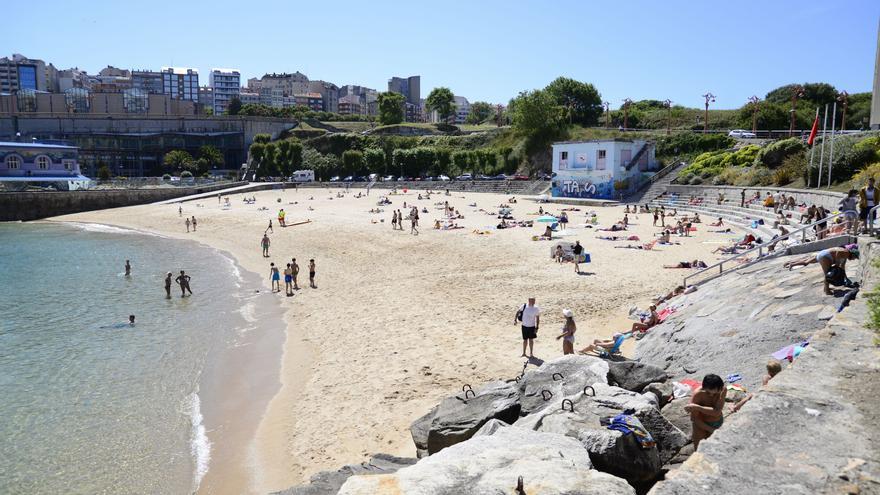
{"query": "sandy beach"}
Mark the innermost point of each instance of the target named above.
(399, 321)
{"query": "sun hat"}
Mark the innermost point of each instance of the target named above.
(567, 313)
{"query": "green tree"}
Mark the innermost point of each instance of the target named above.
(538, 116)
(390, 108)
(582, 100)
(212, 156)
(374, 159)
(352, 162)
(442, 101)
(461, 160)
(201, 166)
(269, 164)
(262, 138)
(442, 161)
(285, 167)
(234, 106)
(480, 112)
(104, 172)
(295, 154)
(178, 159)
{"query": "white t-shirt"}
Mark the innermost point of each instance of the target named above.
(530, 315)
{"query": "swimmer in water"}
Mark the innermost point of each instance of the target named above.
(131, 320)
(183, 281)
(168, 286)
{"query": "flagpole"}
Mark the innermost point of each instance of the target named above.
(822, 153)
(831, 158)
(812, 152)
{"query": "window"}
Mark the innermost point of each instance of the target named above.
(68, 164)
(43, 162)
(563, 155)
(600, 159)
(13, 162)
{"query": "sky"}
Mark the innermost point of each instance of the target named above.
(486, 50)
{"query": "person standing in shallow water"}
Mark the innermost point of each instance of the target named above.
(127, 268)
(288, 281)
(168, 286)
(274, 277)
(183, 280)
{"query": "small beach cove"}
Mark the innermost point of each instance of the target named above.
(398, 321)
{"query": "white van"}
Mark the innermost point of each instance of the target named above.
(303, 176)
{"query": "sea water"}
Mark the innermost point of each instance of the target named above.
(89, 404)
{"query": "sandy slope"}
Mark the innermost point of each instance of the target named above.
(399, 321)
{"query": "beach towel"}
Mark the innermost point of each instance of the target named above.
(665, 313)
(684, 387)
(790, 352)
(628, 424)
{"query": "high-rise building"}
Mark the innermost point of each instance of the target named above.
(226, 84)
(19, 72)
(181, 83)
(71, 78)
(410, 88)
(366, 99)
(287, 84)
(329, 94)
(148, 81)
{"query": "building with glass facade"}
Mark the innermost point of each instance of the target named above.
(181, 83)
(19, 72)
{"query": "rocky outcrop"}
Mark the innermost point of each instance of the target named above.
(419, 431)
(558, 378)
(329, 482)
(458, 417)
(610, 450)
(548, 464)
(633, 375)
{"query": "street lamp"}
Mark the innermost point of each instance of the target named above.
(668, 104)
(796, 92)
(754, 102)
(843, 97)
(607, 106)
(710, 98)
(626, 103)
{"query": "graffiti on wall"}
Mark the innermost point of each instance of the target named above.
(575, 185)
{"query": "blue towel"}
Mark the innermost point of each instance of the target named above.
(628, 424)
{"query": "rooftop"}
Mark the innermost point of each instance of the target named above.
(610, 140)
(36, 145)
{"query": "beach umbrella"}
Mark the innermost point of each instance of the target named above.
(547, 218)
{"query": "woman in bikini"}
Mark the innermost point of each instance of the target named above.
(568, 331)
(828, 258)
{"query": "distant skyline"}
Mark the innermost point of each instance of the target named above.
(488, 50)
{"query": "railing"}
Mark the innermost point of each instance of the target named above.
(869, 222)
(663, 172)
(760, 250)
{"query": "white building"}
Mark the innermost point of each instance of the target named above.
(602, 169)
(462, 109)
(226, 84)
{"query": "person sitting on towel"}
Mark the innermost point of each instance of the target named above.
(648, 322)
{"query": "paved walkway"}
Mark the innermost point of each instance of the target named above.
(255, 186)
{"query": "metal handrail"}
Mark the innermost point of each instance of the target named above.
(870, 220)
(760, 247)
(663, 172)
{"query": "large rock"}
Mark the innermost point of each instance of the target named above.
(491, 464)
(633, 375)
(674, 413)
(555, 379)
(329, 482)
(419, 431)
(609, 449)
(663, 392)
(458, 418)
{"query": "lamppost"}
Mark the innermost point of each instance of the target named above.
(843, 98)
(710, 98)
(754, 102)
(626, 103)
(607, 106)
(668, 104)
(796, 92)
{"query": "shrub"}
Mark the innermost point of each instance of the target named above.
(728, 176)
(687, 142)
(775, 153)
(166, 177)
(861, 177)
(696, 181)
(104, 172)
(186, 174)
(756, 176)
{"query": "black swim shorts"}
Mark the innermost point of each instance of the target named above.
(529, 332)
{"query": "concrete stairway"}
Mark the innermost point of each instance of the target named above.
(658, 186)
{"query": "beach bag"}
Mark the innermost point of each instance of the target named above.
(836, 276)
(519, 313)
(585, 258)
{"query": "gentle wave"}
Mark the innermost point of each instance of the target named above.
(200, 446)
(110, 229)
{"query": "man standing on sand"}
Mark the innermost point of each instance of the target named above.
(288, 281)
(194, 223)
(312, 274)
(265, 243)
(577, 249)
(414, 221)
(187, 224)
(168, 286)
(127, 268)
(274, 278)
(530, 317)
(281, 218)
(183, 281)
(294, 272)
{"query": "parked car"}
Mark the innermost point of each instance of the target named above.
(388, 178)
(520, 177)
(545, 177)
(741, 134)
(442, 177)
(499, 177)
(348, 179)
(465, 177)
(335, 178)
(402, 179)
(360, 179)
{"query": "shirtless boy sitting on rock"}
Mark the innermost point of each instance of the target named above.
(707, 408)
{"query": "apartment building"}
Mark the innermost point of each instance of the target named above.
(181, 83)
(226, 84)
(19, 72)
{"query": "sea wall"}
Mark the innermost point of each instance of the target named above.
(15, 206)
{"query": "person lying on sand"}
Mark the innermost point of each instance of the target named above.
(679, 290)
(726, 249)
(688, 264)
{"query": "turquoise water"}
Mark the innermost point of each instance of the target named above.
(89, 404)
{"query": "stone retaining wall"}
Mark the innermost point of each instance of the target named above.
(828, 199)
(24, 206)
